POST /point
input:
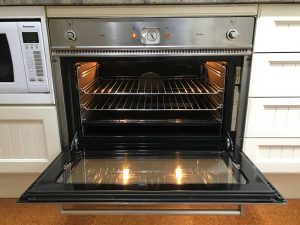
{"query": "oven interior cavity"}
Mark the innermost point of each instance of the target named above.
(151, 96)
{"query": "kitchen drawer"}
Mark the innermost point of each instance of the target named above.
(273, 117)
(29, 138)
(275, 75)
(274, 155)
(278, 29)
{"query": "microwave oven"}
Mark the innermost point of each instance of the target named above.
(22, 58)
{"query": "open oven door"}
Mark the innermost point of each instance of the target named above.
(205, 177)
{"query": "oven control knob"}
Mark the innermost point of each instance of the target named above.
(70, 35)
(232, 34)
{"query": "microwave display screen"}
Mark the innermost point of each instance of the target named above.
(30, 37)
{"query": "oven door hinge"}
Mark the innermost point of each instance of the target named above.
(67, 165)
(236, 165)
(229, 143)
(74, 143)
(76, 149)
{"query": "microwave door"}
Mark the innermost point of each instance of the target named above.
(206, 177)
(12, 71)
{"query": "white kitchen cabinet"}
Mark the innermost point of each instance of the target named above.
(273, 117)
(278, 28)
(272, 132)
(274, 155)
(275, 75)
(29, 138)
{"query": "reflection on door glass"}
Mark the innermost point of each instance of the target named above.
(152, 171)
(6, 66)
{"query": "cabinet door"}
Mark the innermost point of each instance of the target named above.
(29, 138)
(275, 75)
(274, 155)
(278, 29)
(273, 117)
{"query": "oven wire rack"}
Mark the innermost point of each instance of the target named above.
(134, 86)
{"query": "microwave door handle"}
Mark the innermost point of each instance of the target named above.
(234, 212)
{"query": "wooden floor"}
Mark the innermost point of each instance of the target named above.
(20, 214)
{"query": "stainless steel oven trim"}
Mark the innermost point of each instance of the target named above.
(150, 52)
(196, 32)
(235, 212)
(58, 87)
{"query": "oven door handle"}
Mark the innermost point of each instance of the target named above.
(234, 212)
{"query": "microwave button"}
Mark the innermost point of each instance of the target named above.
(40, 79)
(32, 79)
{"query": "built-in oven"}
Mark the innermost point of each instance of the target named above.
(22, 58)
(152, 110)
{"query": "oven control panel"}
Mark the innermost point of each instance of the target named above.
(200, 32)
(34, 57)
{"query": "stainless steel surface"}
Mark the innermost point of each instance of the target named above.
(225, 212)
(151, 52)
(134, 85)
(153, 103)
(180, 32)
(127, 171)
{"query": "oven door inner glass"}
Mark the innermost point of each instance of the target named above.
(152, 171)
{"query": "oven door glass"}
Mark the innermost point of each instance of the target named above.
(12, 71)
(178, 177)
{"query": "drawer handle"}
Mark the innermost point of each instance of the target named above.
(234, 212)
(281, 106)
(285, 62)
(287, 23)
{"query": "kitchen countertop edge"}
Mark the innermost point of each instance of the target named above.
(136, 2)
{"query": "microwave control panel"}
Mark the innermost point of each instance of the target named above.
(34, 56)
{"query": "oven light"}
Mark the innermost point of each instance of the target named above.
(133, 35)
(178, 174)
(125, 175)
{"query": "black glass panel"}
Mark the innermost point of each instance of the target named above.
(30, 37)
(6, 66)
(165, 177)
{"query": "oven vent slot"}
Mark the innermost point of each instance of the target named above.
(151, 52)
